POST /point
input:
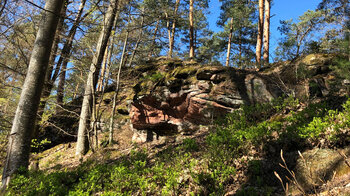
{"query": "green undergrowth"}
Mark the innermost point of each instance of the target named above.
(198, 167)
(255, 125)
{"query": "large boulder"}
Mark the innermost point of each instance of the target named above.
(177, 99)
(317, 166)
(169, 96)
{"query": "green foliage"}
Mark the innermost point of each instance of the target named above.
(209, 166)
(244, 30)
(342, 68)
(39, 144)
(38, 183)
(190, 144)
(298, 34)
(154, 77)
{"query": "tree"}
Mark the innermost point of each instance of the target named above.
(172, 33)
(82, 142)
(24, 122)
(260, 33)
(191, 30)
(267, 31)
(121, 63)
(237, 18)
(296, 34)
(64, 58)
(229, 44)
(339, 11)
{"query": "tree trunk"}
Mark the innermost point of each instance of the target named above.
(168, 26)
(260, 33)
(66, 51)
(172, 37)
(23, 125)
(75, 94)
(56, 41)
(3, 7)
(48, 80)
(267, 32)
(104, 79)
(240, 49)
(103, 71)
(111, 124)
(137, 42)
(82, 145)
(191, 30)
(154, 39)
(229, 44)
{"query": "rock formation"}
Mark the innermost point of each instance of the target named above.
(163, 97)
(178, 97)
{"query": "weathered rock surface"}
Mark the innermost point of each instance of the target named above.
(183, 97)
(318, 166)
(171, 96)
(176, 96)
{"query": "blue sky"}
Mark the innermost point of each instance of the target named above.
(281, 9)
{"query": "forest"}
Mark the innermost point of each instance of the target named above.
(147, 97)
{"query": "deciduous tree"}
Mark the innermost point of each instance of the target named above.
(24, 122)
(82, 142)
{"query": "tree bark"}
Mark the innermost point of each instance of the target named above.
(154, 39)
(48, 80)
(66, 51)
(82, 145)
(3, 7)
(172, 36)
(104, 79)
(24, 121)
(103, 71)
(240, 49)
(111, 124)
(267, 32)
(229, 44)
(138, 41)
(260, 33)
(191, 30)
(76, 90)
(168, 28)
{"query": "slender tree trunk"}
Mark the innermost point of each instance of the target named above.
(191, 30)
(105, 78)
(121, 63)
(2, 8)
(154, 39)
(66, 51)
(75, 94)
(137, 42)
(168, 28)
(240, 49)
(260, 33)
(24, 121)
(195, 39)
(82, 145)
(172, 37)
(229, 44)
(267, 32)
(106, 62)
(103, 71)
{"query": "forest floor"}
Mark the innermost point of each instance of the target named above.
(253, 172)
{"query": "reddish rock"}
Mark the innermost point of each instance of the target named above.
(178, 105)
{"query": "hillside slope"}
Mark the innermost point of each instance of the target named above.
(232, 154)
